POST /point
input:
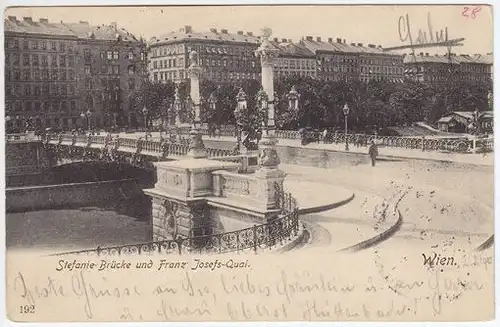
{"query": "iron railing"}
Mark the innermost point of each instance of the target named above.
(259, 237)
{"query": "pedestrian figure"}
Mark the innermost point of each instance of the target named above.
(325, 136)
(217, 132)
(373, 152)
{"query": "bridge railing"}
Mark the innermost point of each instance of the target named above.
(17, 137)
(256, 238)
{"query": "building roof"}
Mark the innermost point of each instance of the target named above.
(342, 46)
(445, 59)
(485, 59)
(187, 33)
(290, 49)
(468, 114)
(81, 29)
(28, 25)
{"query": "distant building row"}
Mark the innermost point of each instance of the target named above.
(229, 57)
(54, 72)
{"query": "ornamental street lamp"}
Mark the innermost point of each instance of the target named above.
(293, 99)
(346, 113)
(145, 114)
(212, 103)
(87, 116)
(239, 112)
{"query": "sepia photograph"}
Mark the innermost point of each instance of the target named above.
(249, 163)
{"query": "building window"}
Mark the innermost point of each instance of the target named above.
(155, 65)
(131, 69)
(88, 83)
(162, 76)
(86, 54)
(62, 60)
(116, 70)
(155, 77)
(104, 69)
(16, 59)
(26, 45)
(71, 75)
(73, 105)
(36, 74)
(28, 105)
(53, 60)
(53, 45)
(110, 55)
(63, 75)
(26, 74)
(44, 60)
(131, 84)
(35, 60)
(62, 47)
(116, 55)
(130, 55)
(87, 69)
(26, 59)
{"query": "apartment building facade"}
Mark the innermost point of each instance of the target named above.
(224, 57)
(53, 73)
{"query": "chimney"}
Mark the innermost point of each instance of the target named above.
(427, 54)
(353, 44)
(283, 40)
(330, 40)
(309, 38)
(44, 20)
(28, 20)
(113, 25)
(371, 45)
(275, 39)
(240, 32)
(223, 31)
(290, 40)
(318, 39)
(360, 44)
(421, 53)
(84, 22)
(250, 33)
(12, 18)
(188, 29)
(339, 40)
(344, 41)
(213, 30)
(379, 46)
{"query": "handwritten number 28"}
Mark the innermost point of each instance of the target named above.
(471, 12)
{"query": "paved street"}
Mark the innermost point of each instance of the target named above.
(440, 204)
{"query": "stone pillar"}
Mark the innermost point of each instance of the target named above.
(269, 173)
(196, 146)
(268, 157)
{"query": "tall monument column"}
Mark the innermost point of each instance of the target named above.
(268, 157)
(196, 146)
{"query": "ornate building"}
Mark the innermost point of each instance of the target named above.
(439, 69)
(337, 60)
(54, 72)
(224, 56)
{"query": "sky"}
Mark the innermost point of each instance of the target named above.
(360, 24)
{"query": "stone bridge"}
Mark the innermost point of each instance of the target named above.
(62, 149)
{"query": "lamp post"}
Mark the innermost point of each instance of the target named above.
(87, 116)
(346, 113)
(239, 113)
(212, 103)
(145, 114)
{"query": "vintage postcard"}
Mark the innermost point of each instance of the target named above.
(249, 163)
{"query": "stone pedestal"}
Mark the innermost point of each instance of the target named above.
(179, 197)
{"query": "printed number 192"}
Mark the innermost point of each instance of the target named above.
(27, 309)
(471, 12)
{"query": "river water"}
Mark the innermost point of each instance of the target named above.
(79, 228)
